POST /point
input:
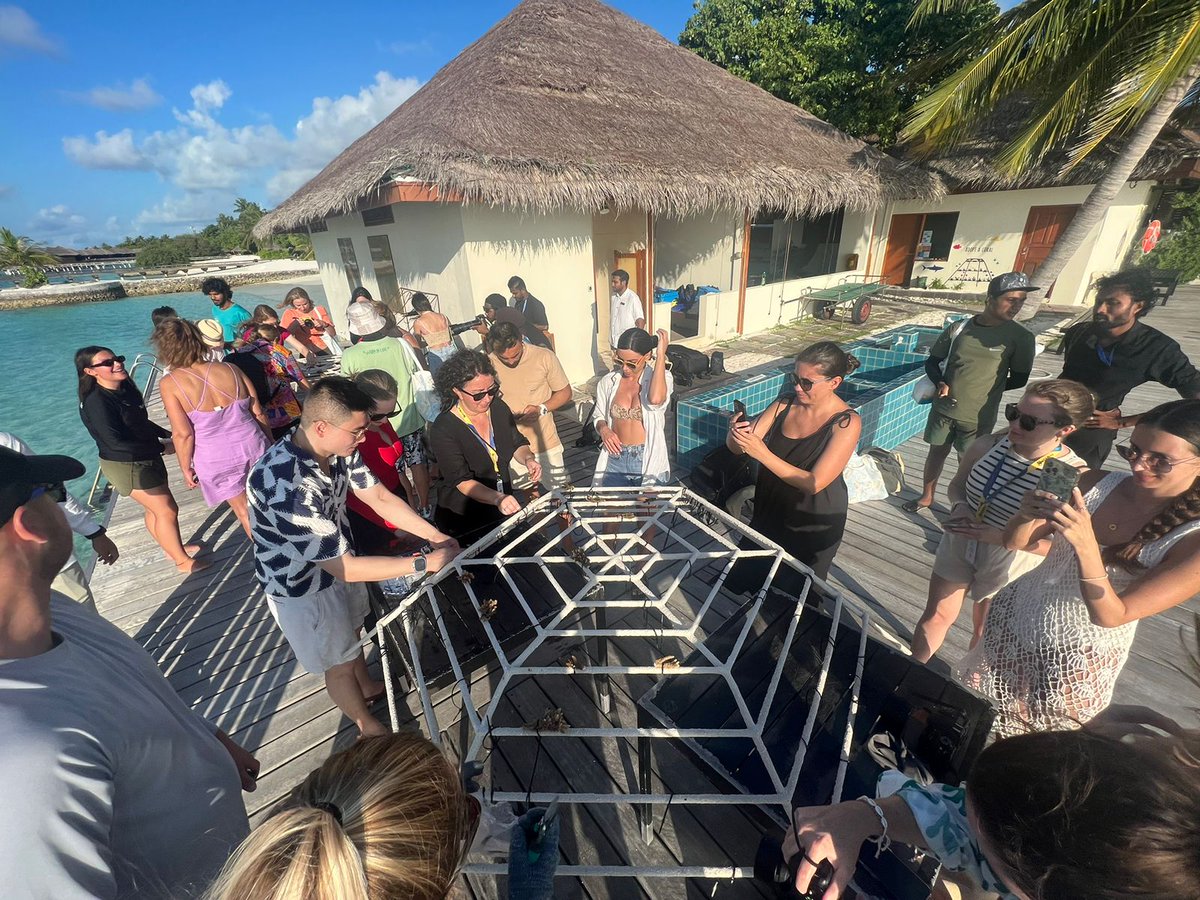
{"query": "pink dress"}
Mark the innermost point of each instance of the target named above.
(229, 441)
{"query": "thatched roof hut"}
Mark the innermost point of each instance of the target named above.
(570, 104)
(968, 166)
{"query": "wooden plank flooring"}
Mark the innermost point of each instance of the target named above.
(214, 638)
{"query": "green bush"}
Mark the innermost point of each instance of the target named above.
(1179, 248)
(163, 252)
(32, 276)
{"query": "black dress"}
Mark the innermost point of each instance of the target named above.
(808, 526)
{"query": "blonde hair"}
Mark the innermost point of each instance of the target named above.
(179, 343)
(1074, 401)
(388, 817)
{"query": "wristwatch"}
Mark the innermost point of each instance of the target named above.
(542, 409)
(420, 564)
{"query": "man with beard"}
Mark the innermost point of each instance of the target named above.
(1114, 353)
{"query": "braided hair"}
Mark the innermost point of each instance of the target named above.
(1180, 418)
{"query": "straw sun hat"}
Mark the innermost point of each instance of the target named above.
(212, 332)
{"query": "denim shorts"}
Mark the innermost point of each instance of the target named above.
(625, 470)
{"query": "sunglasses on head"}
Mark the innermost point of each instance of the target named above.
(1154, 462)
(493, 391)
(806, 384)
(1026, 421)
(108, 363)
(379, 417)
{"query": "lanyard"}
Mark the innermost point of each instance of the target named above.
(990, 488)
(489, 445)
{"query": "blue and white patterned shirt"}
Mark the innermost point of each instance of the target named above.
(298, 517)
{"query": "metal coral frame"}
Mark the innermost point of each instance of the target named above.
(626, 558)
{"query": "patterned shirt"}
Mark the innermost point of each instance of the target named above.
(940, 811)
(1002, 477)
(298, 517)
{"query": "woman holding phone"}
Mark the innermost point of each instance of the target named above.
(1126, 546)
(993, 477)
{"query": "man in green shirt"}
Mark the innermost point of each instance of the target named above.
(377, 350)
(972, 369)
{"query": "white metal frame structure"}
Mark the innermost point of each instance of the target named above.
(646, 521)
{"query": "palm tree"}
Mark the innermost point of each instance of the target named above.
(1098, 73)
(19, 252)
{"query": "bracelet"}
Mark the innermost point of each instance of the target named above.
(1096, 578)
(99, 532)
(882, 842)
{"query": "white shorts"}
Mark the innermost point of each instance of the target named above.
(983, 568)
(554, 470)
(322, 627)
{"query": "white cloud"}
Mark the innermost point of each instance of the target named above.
(208, 163)
(120, 98)
(19, 30)
(59, 224)
(106, 151)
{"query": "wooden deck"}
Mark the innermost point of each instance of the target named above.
(214, 638)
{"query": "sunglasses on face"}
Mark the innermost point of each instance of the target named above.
(108, 363)
(626, 364)
(1154, 462)
(1026, 421)
(806, 384)
(379, 417)
(493, 391)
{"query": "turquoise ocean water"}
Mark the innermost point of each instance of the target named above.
(38, 386)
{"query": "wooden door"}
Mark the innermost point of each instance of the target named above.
(903, 234)
(1042, 228)
(635, 264)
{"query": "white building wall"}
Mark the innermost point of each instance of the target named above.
(991, 225)
(553, 253)
(699, 250)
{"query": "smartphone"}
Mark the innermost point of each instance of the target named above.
(1058, 478)
(739, 408)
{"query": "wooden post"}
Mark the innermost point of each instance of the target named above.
(649, 301)
(741, 314)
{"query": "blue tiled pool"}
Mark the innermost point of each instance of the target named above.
(881, 392)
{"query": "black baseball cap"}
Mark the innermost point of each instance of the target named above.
(20, 474)
(1010, 281)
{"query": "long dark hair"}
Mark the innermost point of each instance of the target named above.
(83, 360)
(1180, 418)
(458, 370)
(832, 360)
(1080, 814)
(639, 340)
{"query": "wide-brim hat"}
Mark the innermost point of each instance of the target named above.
(365, 319)
(212, 332)
(20, 474)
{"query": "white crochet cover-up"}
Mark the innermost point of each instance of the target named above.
(1042, 660)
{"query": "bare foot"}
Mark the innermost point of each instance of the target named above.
(192, 549)
(189, 565)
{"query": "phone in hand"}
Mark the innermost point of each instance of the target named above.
(1058, 478)
(739, 409)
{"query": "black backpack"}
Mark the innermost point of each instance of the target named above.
(687, 364)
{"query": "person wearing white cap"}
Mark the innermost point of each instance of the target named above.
(377, 350)
(213, 336)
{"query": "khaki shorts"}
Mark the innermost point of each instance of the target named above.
(72, 583)
(322, 628)
(554, 471)
(941, 430)
(984, 568)
(127, 477)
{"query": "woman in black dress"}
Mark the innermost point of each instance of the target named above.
(802, 443)
(474, 440)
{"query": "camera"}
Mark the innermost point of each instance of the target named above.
(771, 868)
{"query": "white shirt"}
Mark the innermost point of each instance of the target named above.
(623, 314)
(654, 420)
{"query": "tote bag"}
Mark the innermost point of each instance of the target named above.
(429, 404)
(924, 391)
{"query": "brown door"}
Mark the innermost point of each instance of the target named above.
(903, 234)
(1042, 228)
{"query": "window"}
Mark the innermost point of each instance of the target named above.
(782, 248)
(937, 234)
(350, 262)
(317, 227)
(385, 270)
(380, 215)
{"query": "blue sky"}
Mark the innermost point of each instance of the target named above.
(130, 117)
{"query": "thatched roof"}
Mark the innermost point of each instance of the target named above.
(570, 104)
(967, 166)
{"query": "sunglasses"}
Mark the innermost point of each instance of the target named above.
(806, 384)
(357, 433)
(108, 363)
(626, 364)
(1026, 421)
(493, 391)
(1154, 462)
(379, 417)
